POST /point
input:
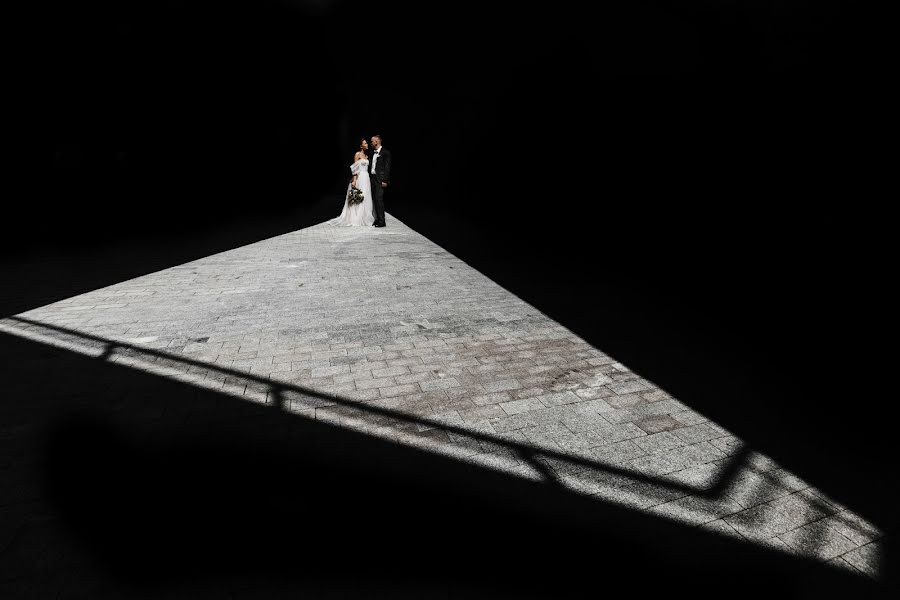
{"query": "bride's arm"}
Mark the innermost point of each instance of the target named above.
(354, 171)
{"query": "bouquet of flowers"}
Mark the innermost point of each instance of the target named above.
(354, 196)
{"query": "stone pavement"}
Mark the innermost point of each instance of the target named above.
(382, 331)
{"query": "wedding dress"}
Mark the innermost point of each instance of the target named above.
(357, 214)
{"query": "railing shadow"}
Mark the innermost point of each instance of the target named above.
(146, 485)
(276, 392)
(551, 465)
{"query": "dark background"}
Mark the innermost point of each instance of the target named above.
(689, 186)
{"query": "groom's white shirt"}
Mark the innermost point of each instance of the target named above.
(375, 158)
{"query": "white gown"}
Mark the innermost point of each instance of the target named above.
(362, 213)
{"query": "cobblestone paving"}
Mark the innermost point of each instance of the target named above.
(382, 331)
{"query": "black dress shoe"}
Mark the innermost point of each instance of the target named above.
(378, 224)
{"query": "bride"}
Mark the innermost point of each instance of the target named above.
(361, 213)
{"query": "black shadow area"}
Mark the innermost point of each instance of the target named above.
(118, 483)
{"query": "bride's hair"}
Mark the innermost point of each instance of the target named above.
(361, 142)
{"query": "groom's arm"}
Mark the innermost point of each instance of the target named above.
(387, 167)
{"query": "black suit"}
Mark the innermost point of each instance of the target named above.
(382, 174)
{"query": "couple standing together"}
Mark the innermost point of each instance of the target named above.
(371, 179)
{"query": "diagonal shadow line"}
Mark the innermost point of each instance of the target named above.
(532, 455)
(278, 390)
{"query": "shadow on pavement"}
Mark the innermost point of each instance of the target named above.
(123, 483)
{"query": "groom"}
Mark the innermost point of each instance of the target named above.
(380, 169)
